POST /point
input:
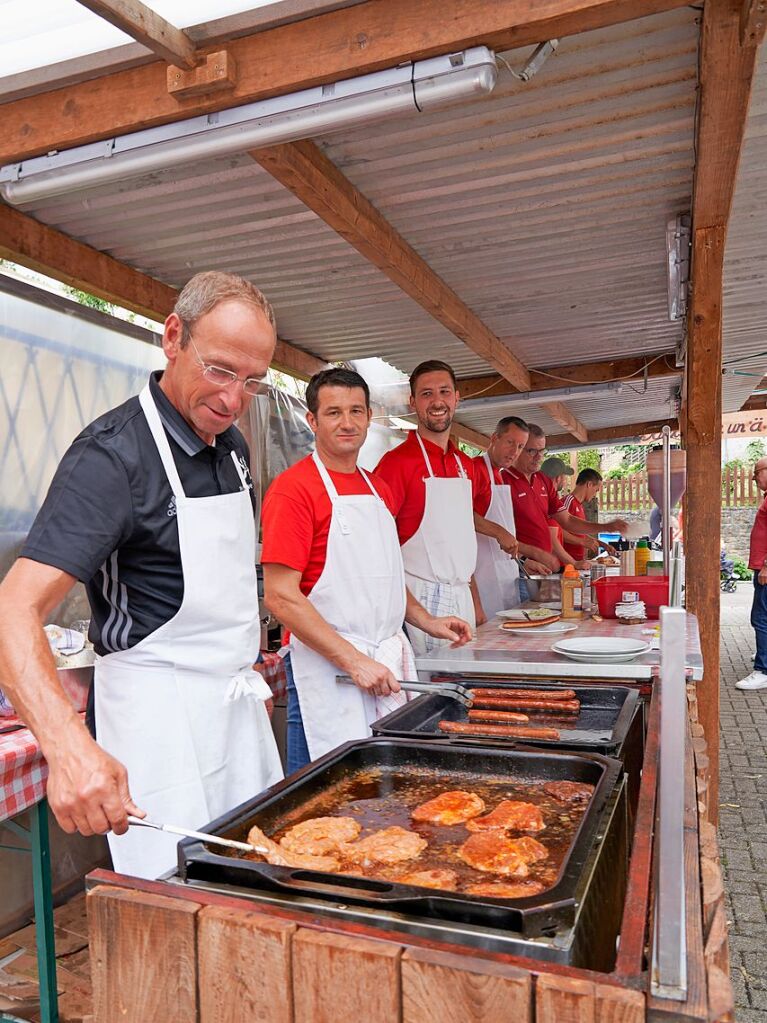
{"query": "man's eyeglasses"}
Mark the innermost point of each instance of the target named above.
(535, 452)
(224, 377)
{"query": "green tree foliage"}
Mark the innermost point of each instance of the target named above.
(588, 458)
(92, 301)
(754, 451)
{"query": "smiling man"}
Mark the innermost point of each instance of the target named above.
(151, 508)
(333, 575)
(440, 500)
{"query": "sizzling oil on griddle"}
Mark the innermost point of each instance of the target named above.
(382, 797)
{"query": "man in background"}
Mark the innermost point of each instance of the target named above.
(757, 562)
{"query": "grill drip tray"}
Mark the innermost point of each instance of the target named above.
(590, 942)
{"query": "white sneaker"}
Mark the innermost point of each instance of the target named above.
(756, 680)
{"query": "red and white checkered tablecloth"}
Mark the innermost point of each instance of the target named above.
(272, 667)
(23, 771)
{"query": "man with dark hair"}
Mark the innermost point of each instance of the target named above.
(437, 491)
(333, 575)
(536, 501)
(587, 485)
(497, 574)
(151, 508)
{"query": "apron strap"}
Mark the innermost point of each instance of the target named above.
(330, 487)
(160, 437)
(490, 469)
(240, 470)
(423, 452)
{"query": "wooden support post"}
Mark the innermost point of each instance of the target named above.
(704, 469)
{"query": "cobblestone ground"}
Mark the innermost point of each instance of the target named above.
(743, 810)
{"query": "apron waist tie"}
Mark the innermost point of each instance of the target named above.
(249, 683)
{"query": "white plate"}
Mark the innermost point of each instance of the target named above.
(592, 659)
(601, 646)
(549, 629)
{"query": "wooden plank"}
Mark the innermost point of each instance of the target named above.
(460, 432)
(753, 22)
(618, 1005)
(561, 414)
(326, 48)
(305, 171)
(458, 989)
(29, 243)
(216, 73)
(146, 27)
(564, 1000)
(554, 377)
(244, 967)
(625, 431)
(143, 957)
(344, 980)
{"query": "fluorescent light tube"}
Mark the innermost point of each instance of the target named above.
(539, 398)
(355, 102)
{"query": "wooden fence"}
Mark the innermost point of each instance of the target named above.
(631, 493)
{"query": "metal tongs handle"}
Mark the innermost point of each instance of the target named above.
(172, 829)
(449, 689)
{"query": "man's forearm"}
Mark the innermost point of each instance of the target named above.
(298, 614)
(576, 525)
(488, 528)
(415, 613)
(559, 550)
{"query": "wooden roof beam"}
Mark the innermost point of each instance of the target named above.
(29, 243)
(753, 22)
(327, 48)
(148, 28)
(561, 414)
(613, 434)
(555, 377)
(306, 172)
(465, 433)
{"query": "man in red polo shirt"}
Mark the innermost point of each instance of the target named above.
(497, 574)
(587, 485)
(536, 500)
(333, 575)
(437, 491)
(757, 562)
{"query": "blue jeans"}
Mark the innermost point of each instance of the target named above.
(523, 591)
(298, 751)
(759, 624)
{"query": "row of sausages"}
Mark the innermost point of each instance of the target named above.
(502, 712)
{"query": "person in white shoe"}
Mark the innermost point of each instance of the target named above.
(333, 575)
(757, 562)
(151, 507)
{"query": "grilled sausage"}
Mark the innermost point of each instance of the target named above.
(525, 694)
(503, 717)
(542, 706)
(507, 731)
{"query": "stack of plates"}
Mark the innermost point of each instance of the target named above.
(601, 649)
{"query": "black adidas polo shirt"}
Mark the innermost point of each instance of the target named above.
(109, 517)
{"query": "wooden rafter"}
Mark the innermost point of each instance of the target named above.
(614, 434)
(460, 432)
(657, 364)
(318, 183)
(29, 243)
(728, 63)
(561, 414)
(326, 48)
(753, 22)
(148, 28)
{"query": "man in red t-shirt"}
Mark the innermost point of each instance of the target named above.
(588, 484)
(333, 576)
(437, 495)
(757, 562)
(536, 501)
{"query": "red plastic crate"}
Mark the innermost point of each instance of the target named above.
(653, 590)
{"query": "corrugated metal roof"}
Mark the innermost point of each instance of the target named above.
(543, 206)
(744, 311)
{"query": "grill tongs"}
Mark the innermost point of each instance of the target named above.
(452, 690)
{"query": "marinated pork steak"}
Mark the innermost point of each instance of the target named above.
(505, 889)
(491, 851)
(391, 845)
(569, 791)
(510, 815)
(320, 836)
(437, 878)
(530, 848)
(455, 807)
(280, 857)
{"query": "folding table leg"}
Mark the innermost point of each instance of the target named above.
(41, 878)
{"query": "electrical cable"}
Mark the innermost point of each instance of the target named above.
(509, 68)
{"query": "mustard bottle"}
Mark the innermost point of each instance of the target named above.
(572, 593)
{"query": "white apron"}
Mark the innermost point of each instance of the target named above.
(497, 574)
(183, 709)
(361, 594)
(441, 555)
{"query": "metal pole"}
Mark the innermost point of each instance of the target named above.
(41, 883)
(666, 507)
(669, 951)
